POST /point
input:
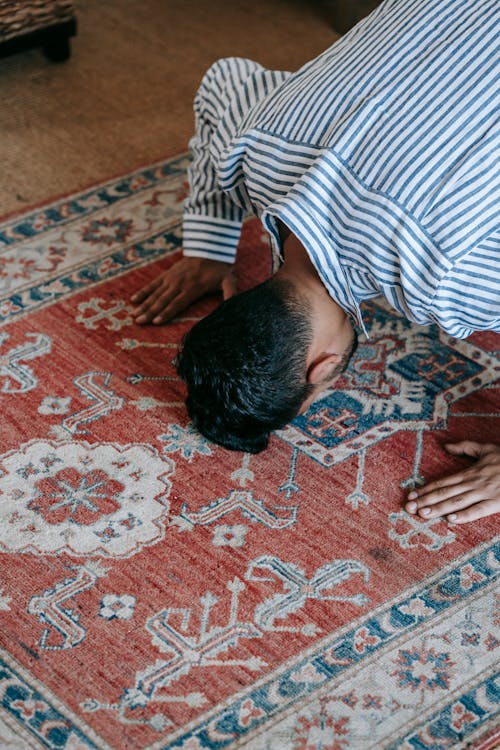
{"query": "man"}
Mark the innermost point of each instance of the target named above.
(374, 169)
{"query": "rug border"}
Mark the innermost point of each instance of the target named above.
(318, 645)
(20, 732)
(92, 185)
(224, 706)
(447, 698)
(33, 296)
(53, 701)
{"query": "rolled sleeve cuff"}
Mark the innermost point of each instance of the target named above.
(210, 237)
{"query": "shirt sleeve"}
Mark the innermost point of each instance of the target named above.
(214, 211)
(212, 220)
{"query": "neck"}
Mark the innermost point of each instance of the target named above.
(332, 330)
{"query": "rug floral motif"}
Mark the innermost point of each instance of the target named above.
(157, 591)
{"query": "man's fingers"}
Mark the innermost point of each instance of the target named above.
(474, 512)
(445, 487)
(143, 293)
(450, 504)
(173, 308)
(433, 496)
(147, 303)
(153, 305)
(167, 305)
(438, 490)
(179, 286)
(469, 448)
(160, 306)
(467, 495)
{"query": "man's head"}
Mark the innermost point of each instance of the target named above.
(252, 364)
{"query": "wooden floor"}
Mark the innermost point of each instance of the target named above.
(125, 96)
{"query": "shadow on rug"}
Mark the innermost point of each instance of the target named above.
(157, 591)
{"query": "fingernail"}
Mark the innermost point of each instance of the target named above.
(411, 507)
(412, 495)
(425, 512)
(141, 319)
(452, 517)
(157, 319)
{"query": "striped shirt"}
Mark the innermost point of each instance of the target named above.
(381, 156)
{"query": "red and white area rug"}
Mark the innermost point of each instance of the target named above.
(160, 592)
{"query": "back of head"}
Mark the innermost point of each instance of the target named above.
(245, 366)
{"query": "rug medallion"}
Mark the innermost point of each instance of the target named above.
(157, 591)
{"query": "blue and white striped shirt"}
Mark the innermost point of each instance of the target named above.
(381, 156)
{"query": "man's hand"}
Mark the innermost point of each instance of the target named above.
(181, 285)
(467, 495)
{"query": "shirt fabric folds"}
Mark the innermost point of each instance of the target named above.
(381, 155)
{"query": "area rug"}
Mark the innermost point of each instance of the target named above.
(160, 592)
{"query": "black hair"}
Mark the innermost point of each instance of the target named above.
(245, 365)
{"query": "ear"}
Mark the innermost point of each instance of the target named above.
(323, 367)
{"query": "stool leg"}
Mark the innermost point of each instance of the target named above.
(57, 47)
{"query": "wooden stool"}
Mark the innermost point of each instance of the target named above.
(37, 23)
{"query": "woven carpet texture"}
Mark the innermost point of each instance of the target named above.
(157, 591)
(160, 592)
(125, 97)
